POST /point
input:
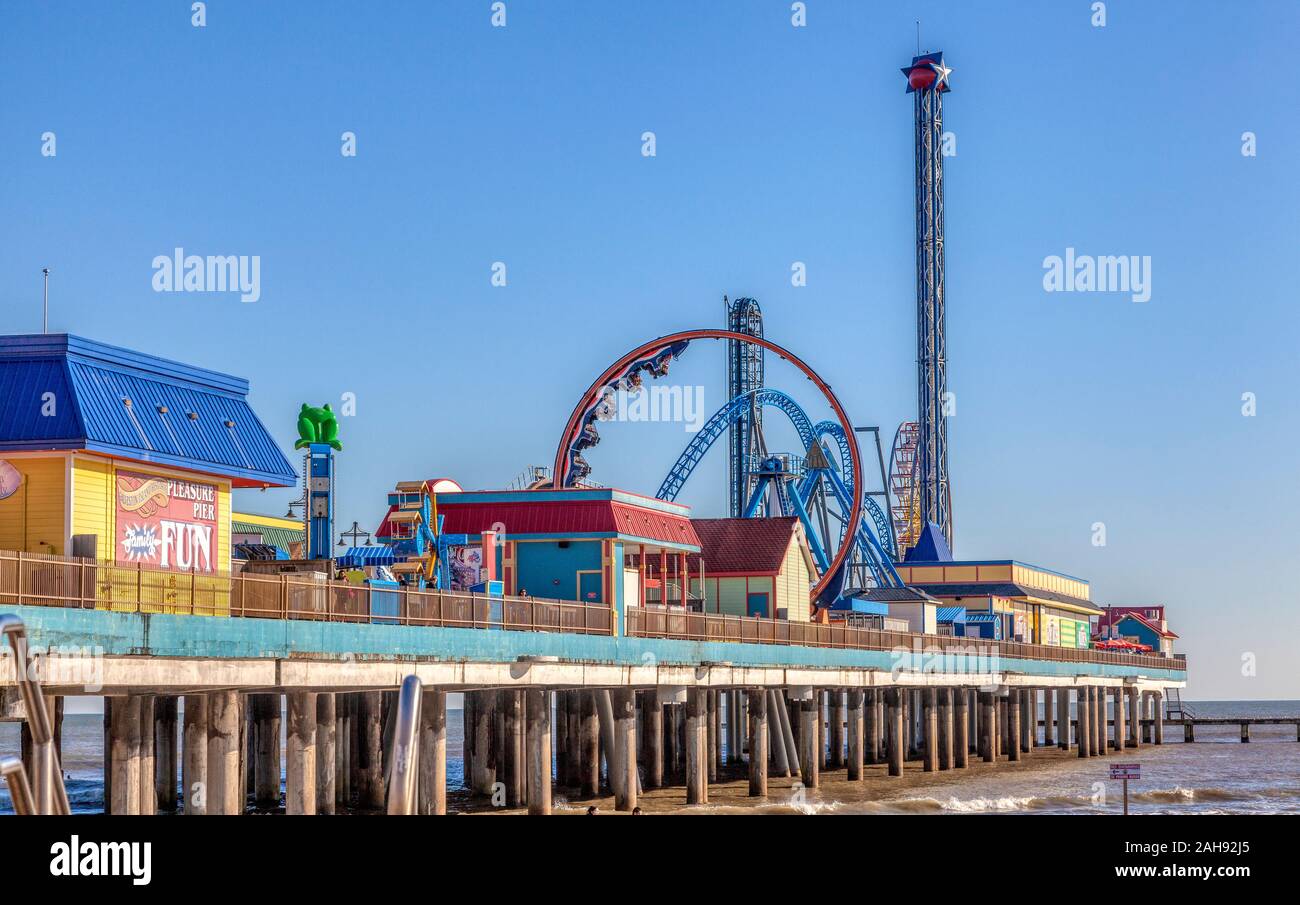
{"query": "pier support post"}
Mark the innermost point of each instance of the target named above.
(780, 751)
(1189, 732)
(1063, 718)
(573, 705)
(653, 739)
(1134, 720)
(194, 755)
(1158, 716)
(1083, 721)
(484, 776)
(838, 716)
(1028, 719)
(757, 742)
(856, 712)
(1049, 716)
(147, 789)
(225, 782)
(539, 747)
(164, 745)
(961, 728)
(512, 758)
(300, 754)
(945, 728)
(713, 749)
(895, 739)
(1245, 733)
(1014, 712)
(371, 749)
(589, 747)
(1145, 721)
(560, 738)
(124, 735)
(988, 727)
(326, 752)
(810, 724)
(870, 727)
(697, 714)
(624, 754)
(266, 747)
(1117, 707)
(930, 730)
(433, 752)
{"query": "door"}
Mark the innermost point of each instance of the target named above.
(589, 590)
(756, 605)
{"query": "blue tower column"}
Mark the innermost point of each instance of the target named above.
(320, 501)
(927, 82)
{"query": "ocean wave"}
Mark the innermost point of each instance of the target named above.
(1179, 794)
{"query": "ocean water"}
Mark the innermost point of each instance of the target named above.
(1215, 775)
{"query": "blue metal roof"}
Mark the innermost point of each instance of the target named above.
(950, 614)
(982, 617)
(65, 392)
(355, 557)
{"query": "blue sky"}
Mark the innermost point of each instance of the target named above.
(775, 144)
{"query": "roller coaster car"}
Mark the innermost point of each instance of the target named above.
(579, 468)
(630, 383)
(588, 438)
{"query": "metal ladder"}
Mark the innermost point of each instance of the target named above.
(45, 793)
(1175, 709)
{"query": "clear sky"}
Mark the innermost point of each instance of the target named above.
(774, 145)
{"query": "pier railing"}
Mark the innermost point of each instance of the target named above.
(34, 579)
(674, 623)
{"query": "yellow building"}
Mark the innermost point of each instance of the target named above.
(753, 567)
(1039, 605)
(124, 458)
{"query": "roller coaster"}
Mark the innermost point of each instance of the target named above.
(853, 538)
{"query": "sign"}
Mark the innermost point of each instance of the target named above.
(10, 479)
(166, 523)
(1125, 771)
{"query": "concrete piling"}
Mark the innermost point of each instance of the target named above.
(697, 711)
(988, 728)
(1134, 720)
(1119, 733)
(589, 747)
(778, 750)
(653, 739)
(265, 711)
(855, 715)
(838, 716)
(1028, 719)
(300, 754)
(810, 724)
(326, 752)
(539, 747)
(1014, 712)
(945, 740)
(623, 774)
(433, 752)
(146, 781)
(871, 725)
(512, 761)
(930, 730)
(1158, 717)
(713, 733)
(758, 720)
(1049, 716)
(573, 730)
(225, 783)
(960, 728)
(895, 740)
(1083, 721)
(165, 707)
(484, 765)
(371, 752)
(194, 755)
(125, 752)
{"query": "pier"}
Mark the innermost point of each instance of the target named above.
(1190, 723)
(660, 704)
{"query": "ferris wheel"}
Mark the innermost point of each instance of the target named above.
(905, 487)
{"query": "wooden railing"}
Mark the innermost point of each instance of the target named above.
(674, 623)
(32, 579)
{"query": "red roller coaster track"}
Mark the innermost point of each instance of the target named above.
(615, 370)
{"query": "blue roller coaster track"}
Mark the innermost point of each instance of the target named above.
(877, 548)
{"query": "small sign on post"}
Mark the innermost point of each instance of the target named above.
(1125, 772)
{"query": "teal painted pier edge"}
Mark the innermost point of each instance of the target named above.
(127, 634)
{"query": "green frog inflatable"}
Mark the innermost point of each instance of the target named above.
(317, 425)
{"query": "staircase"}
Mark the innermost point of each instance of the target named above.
(1175, 710)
